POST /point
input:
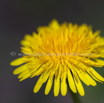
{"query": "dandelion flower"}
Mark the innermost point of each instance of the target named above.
(61, 52)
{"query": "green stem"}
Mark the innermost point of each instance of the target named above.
(74, 96)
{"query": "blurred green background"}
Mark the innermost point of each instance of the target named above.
(20, 17)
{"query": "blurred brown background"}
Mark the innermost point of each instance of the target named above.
(20, 17)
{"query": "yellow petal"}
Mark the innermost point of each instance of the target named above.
(37, 88)
(40, 81)
(23, 73)
(25, 43)
(20, 69)
(91, 81)
(28, 37)
(56, 87)
(37, 70)
(82, 77)
(45, 77)
(90, 62)
(18, 61)
(96, 33)
(79, 86)
(54, 24)
(95, 74)
(48, 86)
(38, 85)
(63, 87)
(58, 74)
(25, 77)
(100, 61)
(26, 50)
(71, 82)
(63, 81)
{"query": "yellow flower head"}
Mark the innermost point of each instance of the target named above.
(59, 52)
